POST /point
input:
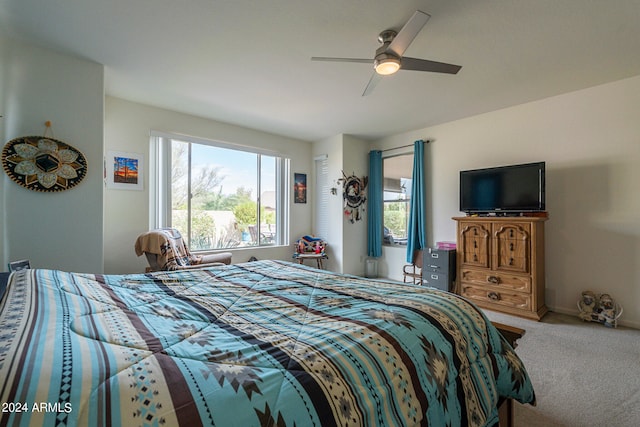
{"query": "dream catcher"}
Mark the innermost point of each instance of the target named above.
(353, 195)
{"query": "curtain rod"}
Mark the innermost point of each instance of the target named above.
(405, 146)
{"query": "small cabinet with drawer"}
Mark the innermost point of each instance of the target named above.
(500, 263)
(439, 268)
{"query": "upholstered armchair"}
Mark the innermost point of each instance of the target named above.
(166, 250)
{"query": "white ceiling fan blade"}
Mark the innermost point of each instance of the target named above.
(409, 32)
(373, 82)
(327, 59)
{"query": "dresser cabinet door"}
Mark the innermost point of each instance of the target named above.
(511, 247)
(476, 239)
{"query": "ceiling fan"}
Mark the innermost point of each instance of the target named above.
(388, 58)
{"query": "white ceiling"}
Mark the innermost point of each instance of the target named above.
(247, 62)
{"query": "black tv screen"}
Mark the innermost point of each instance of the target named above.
(515, 188)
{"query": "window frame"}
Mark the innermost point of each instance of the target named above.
(403, 240)
(160, 209)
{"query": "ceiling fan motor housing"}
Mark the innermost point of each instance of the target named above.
(387, 36)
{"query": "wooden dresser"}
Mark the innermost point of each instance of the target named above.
(500, 263)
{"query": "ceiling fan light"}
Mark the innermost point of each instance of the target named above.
(387, 66)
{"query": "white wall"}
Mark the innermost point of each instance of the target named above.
(61, 230)
(127, 127)
(347, 241)
(354, 235)
(590, 140)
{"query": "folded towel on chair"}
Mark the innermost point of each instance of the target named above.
(167, 243)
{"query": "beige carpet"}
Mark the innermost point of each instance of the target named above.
(584, 374)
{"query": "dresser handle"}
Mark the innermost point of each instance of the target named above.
(493, 279)
(494, 296)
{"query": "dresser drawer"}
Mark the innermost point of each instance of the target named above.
(486, 295)
(499, 280)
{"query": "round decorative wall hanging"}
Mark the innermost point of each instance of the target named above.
(43, 164)
(353, 195)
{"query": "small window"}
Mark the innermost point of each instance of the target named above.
(397, 180)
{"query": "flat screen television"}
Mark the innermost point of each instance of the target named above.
(506, 189)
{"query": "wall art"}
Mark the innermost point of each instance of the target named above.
(124, 171)
(43, 164)
(300, 188)
(353, 195)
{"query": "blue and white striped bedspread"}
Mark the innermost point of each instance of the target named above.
(266, 343)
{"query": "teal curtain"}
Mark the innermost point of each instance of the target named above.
(417, 232)
(374, 224)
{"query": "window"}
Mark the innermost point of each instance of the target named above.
(218, 195)
(397, 179)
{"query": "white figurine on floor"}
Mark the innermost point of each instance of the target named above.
(608, 311)
(587, 305)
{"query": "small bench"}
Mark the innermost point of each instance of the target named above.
(511, 333)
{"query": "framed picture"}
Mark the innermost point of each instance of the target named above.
(124, 171)
(23, 264)
(300, 188)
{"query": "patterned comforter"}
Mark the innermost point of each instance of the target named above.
(266, 343)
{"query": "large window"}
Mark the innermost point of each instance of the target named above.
(397, 174)
(220, 196)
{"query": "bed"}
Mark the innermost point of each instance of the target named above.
(265, 343)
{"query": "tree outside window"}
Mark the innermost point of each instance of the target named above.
(223, 198)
